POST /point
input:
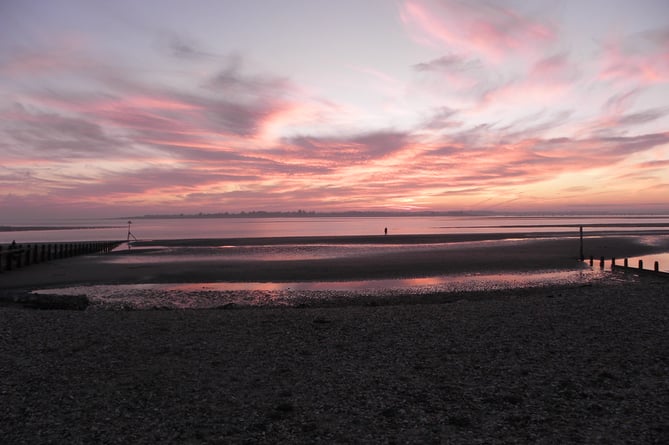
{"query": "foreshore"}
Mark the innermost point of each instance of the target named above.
(553, 364)
(192, 261)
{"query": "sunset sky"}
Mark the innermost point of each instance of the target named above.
(112, 108)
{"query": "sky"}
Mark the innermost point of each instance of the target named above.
(187, 106)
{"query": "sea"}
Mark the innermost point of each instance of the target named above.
(108, 229)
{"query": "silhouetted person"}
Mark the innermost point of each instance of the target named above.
(385, 231)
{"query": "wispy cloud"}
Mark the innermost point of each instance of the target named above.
(481, 28)
(642, 58)
(487, 106)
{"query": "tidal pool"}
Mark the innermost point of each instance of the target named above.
(222, 294)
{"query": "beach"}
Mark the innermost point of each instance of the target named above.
(571, 363)
(206, 260)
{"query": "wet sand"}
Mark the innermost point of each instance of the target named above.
(411, 259)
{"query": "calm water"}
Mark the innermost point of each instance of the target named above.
(157, 229)
(211, 295)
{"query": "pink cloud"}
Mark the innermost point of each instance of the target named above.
(236, 140)
(619, 115)
(643, 59)
(477, 27)
(547, 81)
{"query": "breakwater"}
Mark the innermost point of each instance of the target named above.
(14, 256)
(628, 266)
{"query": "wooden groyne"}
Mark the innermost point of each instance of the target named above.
(626, 266)
(14, 256)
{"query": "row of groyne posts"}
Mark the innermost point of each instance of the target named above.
(625, 265)
(15, 256)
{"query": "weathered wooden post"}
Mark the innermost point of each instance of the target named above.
(626, 263)
(601, 262)
(592, 260)
(19, 255)
(613, 262)
(581, 236)
(640, 264)
(657, 266)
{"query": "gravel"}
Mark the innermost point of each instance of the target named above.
(561, 364)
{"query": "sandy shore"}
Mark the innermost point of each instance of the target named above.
(562, 365)
(445, 255)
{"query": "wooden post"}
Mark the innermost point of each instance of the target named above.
(592, 260)
(601, 262)
(613, 263)
(19, 256)
(657, 266)
(581, 235)
(640, 264)
(626, 263)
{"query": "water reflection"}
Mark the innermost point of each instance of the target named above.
(208, 295)
(649, 261)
